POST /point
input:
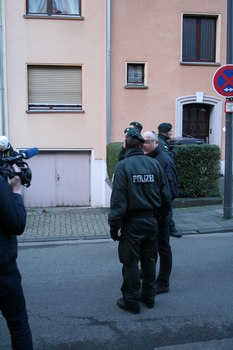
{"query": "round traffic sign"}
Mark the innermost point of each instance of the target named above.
(223, 80)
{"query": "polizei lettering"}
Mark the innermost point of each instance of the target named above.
(143, 178)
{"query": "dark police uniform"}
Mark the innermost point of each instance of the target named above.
(164, 248)
(140, 189)
(136, 125)
(164, 142)
(12, 302)
(165, 145)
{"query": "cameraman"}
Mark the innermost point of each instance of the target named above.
(12, 223)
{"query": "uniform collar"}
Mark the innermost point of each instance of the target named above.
(133, 152)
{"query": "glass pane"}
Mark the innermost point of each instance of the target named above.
(185, 122)
(193, 122)
(207, 49)
(196, 121)
(202, 119)
(189, 38)
(37, 6)
(66, 7)
(135, 73)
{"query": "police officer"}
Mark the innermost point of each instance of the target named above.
(140, 189)
(12, 223)
(151, 148)
(138, 126)
(164, 135)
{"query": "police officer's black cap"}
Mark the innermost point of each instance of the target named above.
(164, 127)
(126, 130)
(135, 134)
(137, 125)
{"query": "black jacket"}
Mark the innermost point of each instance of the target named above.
(165, 146)
(12, 223)
(139, 185)
(169, 168)
(121, 154)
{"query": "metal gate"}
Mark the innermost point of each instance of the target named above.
(59, 179)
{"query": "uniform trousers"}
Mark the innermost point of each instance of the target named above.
(138, 242)
(13, 308)
(165, 253)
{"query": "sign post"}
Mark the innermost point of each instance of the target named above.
(223, 84)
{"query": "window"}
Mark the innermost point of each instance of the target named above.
(199, 39)
(54, 7)
(196, 121)
(135, 74)
(54, 88)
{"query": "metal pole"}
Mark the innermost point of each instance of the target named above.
(1, 75)
(227, 211)
(108, 88)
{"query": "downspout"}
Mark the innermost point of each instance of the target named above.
(1, 77)
(4, 126)
(108, 73)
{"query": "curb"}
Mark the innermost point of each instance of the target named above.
(196, 202)
(104, 239)
(209, 231)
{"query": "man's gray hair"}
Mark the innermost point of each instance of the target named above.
(155, 135)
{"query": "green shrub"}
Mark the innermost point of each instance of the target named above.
(198, 168)
(113, 150)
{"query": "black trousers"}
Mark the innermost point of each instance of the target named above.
(164, 250)
(172, 225)
(138, 242)
(13, 308)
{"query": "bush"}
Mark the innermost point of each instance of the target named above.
(198, 168)
(113, 150)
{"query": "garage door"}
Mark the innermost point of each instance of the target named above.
(59, 179)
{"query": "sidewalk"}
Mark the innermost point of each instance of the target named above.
(76, 223)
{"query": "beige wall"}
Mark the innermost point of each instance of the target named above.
(151, 32)
(65, 42)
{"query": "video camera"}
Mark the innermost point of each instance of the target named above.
(10, 157)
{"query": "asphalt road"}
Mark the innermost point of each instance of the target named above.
(71, 292)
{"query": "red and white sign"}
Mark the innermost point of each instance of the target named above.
(223, 80)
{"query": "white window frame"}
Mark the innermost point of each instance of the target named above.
(135, 85)
(50, 14)
(47, 96)
(217, 40)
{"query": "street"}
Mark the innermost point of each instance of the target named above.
(71, 291)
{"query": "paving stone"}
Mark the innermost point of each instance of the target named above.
(81, 223)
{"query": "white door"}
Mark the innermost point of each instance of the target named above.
(59, 179)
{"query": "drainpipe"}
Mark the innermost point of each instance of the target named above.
(108, 62)
(4, 127)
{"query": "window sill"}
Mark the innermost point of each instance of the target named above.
(200, 63)
(48, 111)
(136, 87)
(40, 16)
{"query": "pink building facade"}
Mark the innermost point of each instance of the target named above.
(55, 67)
(177, 79)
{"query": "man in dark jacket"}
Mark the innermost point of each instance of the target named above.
(140, 189)
(164, 135)
(164, 138)
(138, 126)
(12, 302)
(152, 149)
